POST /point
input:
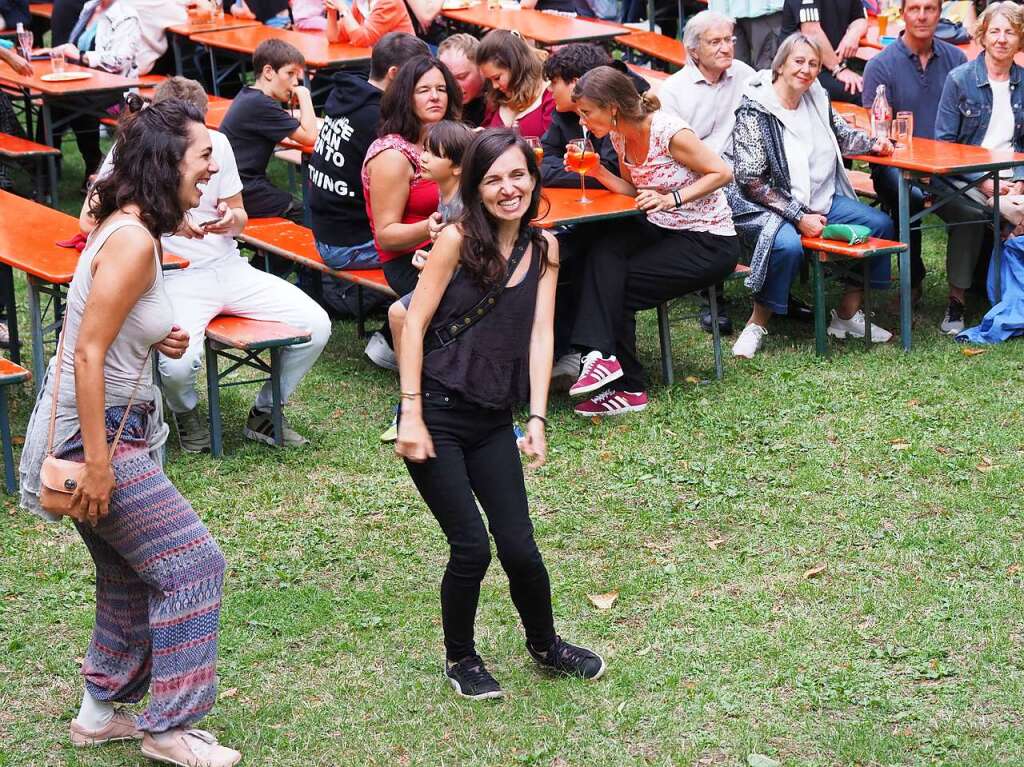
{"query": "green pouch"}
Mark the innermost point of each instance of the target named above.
(853, 234)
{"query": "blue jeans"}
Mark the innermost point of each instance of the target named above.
(788, 254)
(363, 256)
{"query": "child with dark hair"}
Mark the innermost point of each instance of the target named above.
(257, 121)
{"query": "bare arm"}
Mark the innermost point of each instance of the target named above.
(390, 174)
(620, 184)
(305, 134)
(413, 438)
(813, 30)
(542, 347)
(122, 271)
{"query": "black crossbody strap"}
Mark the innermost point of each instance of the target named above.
(449, 333)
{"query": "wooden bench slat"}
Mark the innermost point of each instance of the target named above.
(833, 248)
(862, 183)
(16, 147)
(252, 335)
(12, 373)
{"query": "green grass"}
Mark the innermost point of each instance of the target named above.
(905, 650)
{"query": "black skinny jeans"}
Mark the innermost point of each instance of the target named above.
(637, 266)
(477, 458)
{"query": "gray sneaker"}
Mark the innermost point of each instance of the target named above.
(193, 431)
(260, 427)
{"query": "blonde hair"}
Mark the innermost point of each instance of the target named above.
(786, 50)
(182, 88)
(1012, 12)
(607, 86)
(525, 64)
(460, 42)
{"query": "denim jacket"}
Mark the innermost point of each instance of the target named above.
(966, 107)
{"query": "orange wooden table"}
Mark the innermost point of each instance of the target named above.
(179, 34)
(661, 47)
(545, 28)
(29, 233)
(563, 207)
(925, 158)
(77, 98)
(41, 10)
(242, 42)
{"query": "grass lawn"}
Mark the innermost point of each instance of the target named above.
(896, 478)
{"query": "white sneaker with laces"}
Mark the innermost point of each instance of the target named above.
(749, 341)
(854, 328)
(380, 354)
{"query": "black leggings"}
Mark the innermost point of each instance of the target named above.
(637, 266)
(477, 458)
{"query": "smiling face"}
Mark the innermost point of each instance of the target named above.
(1001, 41)
(430, 97)
(920, 18)
(465, 72)
(498, 76)
(800, 68)
(281, 82)
(598, 120)
(196, 167)
(507, 186)
(561, 92)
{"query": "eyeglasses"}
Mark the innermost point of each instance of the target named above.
(720, 42)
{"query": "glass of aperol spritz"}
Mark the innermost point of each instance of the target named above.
(581, 158)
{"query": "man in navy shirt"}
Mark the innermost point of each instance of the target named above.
(913, 70)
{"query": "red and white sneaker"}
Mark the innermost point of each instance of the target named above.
(612, 402)
(596, 373)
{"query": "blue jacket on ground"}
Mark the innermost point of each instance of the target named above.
(1006, 318)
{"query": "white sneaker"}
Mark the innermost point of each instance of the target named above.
(380, 354)
(854, 328)
(567, 366)
(953, 321)
(749, 341)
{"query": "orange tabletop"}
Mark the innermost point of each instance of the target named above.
(314, 46)
(42, 10)
(195, 25)
(545, 28)
(97, 81)
(567, 209)
(943, 158)
(215, 113)
(653, 44)
(861, 115)
(11, 372)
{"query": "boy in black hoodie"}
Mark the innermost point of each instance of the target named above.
(336, 202)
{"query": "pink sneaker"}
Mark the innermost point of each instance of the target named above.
(120, 727)
(597, 371)
(189, 748)
(612, 402)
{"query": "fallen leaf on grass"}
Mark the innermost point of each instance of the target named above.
(229, 693)
(867, 623)
(986, 465)
(913, 403)
(815, 571)
(18, 439)
(1013, 569)
(714, 544)
(692, 380)
(603, 601)
(899, 444)
(760, 760)
(971, 351)
(595, 419)
(943, 450)
(605, 456)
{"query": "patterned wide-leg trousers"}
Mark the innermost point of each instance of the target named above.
(159, 578)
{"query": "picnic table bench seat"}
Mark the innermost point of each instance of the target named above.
(862, 184)
(240, 341)
(18, 148)
(10, 374)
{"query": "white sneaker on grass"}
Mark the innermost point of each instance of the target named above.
(855, 328)
(380, 353)
(749, 341)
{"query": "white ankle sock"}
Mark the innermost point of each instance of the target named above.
(94, 714)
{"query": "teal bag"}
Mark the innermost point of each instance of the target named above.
(852, 234)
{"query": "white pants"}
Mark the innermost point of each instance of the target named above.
(231, 286)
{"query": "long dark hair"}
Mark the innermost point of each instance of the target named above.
(396, 112)
(480, 256)
(150, 146)
(524, 62)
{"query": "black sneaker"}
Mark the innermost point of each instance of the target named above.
(568, 659)
(953, 322)
(724, 323)
(472, 680)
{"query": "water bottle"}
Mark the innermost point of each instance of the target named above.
(881, 115)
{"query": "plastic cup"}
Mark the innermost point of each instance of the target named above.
(57, 62)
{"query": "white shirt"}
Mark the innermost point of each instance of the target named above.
(155, 16)
(816, 142)
(999, 134)
(208, 250)
(709, 109)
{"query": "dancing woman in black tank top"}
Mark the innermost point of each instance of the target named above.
(455, 429)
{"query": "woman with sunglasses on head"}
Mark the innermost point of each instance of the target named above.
(459, 385)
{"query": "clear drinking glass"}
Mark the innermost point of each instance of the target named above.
(903, 129)
(581, 158)
(57, 61)
(25, 41)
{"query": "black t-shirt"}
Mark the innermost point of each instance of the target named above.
(254, 125)
(65, 16)
(473, 111)
(833, 15)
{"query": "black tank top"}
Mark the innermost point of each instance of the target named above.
(488, 364)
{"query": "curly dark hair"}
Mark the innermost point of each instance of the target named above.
(396, 113)
(150, 146)
(480, 256)
(571, 62)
